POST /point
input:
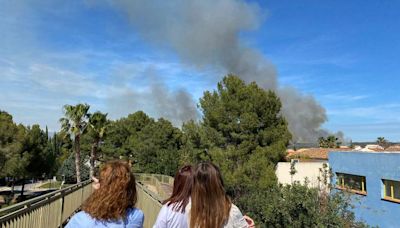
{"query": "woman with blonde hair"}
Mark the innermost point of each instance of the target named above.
(210, 206)
(112, 204)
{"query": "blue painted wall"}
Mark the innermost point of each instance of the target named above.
(375, 167)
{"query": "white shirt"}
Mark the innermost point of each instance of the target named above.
(235, 220)
(168, 218)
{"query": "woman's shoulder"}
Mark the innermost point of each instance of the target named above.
(80, 219)
(172, 206)
(135, 213)
(235, 209)
(236, 218)
(135, 217)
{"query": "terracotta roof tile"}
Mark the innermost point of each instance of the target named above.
(393, 148)
(314, 153)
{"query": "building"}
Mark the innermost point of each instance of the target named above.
(311, 164)
(374, 180)
(374, 147)
(393, 148)
(312, 154)
(312, 171)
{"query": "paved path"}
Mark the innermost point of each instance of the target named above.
(167, 188)
(28, 187)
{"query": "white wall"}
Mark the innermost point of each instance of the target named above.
(309, 170)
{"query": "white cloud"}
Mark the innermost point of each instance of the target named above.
(382, 113)
(344, 97)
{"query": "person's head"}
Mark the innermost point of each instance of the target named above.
(210, 204)
(182, 188)
(116, 193)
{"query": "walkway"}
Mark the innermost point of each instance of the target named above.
(54, 209)
(166, 189)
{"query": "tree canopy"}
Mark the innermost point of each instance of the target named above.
(74, 124)
(241, 130)
(25, 152)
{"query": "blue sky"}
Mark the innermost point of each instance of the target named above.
(344, 53)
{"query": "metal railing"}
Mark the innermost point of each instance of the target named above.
(149, 203)
(53, 209)
(148, 200)
(49, 210)
(158, 181)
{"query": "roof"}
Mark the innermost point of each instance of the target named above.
(393, 148)
(313, 153)
(374, 147)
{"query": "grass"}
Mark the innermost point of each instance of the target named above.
(53, 184)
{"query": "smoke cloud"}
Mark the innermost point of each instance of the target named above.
(176, 106)
(207, 33)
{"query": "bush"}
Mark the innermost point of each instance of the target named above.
(299, 206)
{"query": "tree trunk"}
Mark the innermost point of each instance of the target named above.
(93, 153)
(23, 187)
(12, 186)
(78, 158)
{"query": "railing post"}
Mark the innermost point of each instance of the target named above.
(82, 190)
(61, 209)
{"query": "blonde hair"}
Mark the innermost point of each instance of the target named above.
(210, 204)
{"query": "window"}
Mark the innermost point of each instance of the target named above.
(391, 190)
(353, 183)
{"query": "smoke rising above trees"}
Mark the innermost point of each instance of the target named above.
(208, 34)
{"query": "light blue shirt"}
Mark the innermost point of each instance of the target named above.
(134, 219)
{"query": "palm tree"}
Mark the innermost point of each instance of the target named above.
(382, 141)
(332, 141)
(74, 124)
(97, 130)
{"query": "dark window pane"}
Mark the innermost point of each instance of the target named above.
(396, 188)
(353, 182)
(339, 179)
(387, 186)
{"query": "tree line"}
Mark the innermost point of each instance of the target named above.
(241, 130)
(26, 151)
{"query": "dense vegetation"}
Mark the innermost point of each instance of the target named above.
(26, 152)
(241, 130)
(329, 142)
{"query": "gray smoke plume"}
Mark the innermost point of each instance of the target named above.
(304, 115)
(176, 106)
(207, 33)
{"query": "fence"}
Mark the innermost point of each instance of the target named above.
(160, 182)
(49, 210)
(53, 209)
(149, 203)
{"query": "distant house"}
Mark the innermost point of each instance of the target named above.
(358, 148)
(374, 147)
(393, 148)
(309, 165)
(310, 172)
(373, 179)
(312, 154)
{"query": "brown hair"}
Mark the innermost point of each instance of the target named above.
(182, 190)
(210, 204)
(117, 193)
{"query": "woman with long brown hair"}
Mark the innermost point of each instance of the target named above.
(113, 203)
(210, 205)
(173, 214)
